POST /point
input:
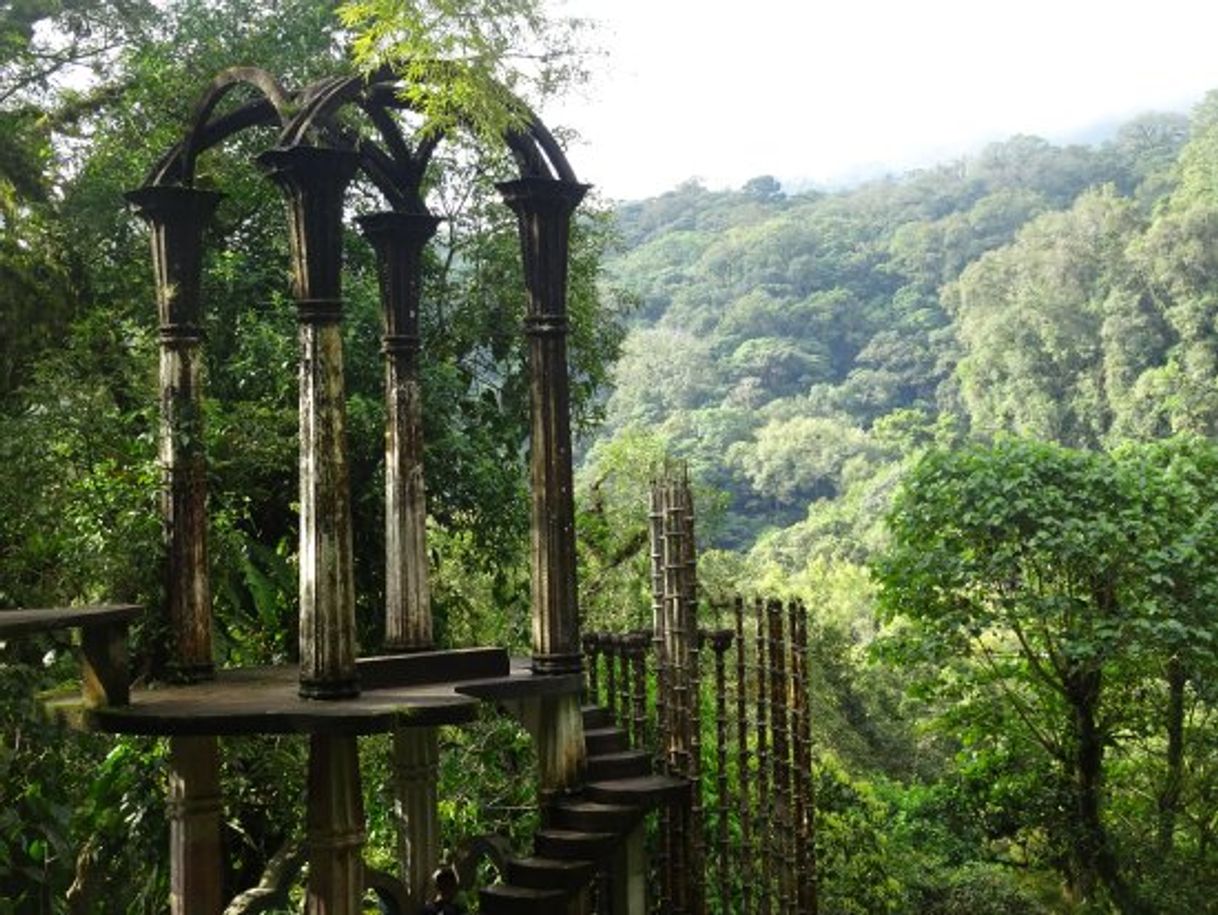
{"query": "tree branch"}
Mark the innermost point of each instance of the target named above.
(277, 878)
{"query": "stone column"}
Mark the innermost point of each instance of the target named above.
(195, 874)
(399, 239)
(556, 724)
(177, 217)
(543, 208)
(335, 822)
(416, 758)
(628, 874)
(313, 181)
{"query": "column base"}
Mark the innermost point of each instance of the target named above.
(390, 648)
(190, 673)
(558, 663)
(329, 689)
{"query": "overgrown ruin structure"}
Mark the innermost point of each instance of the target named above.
(410, 688)
(600, 768)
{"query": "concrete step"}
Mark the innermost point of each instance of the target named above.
(622, 764)
(642, 791)
(598, 741)
(596, 717)
(568, 874)
(592, 816)
(573, 844)
(505, 899)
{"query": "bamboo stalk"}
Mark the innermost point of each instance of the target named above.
(764, 822)
(742, 765)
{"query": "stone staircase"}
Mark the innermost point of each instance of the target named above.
(582, 830)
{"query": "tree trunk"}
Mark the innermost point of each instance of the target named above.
(1094, 862)
(1169, 797)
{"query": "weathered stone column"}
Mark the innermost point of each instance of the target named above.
(556, 724)
(543, 208)
(628, 887)
(313, 181)
(177, 217)
(335, 827)
(399, 239)
(416, 758)
(195, 874)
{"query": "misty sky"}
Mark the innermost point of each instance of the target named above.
(823, 90)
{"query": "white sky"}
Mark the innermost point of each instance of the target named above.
(823, 89)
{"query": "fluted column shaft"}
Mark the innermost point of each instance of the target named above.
(543, 209)
(335, 823)
(313, 181)
(399, 240)
(416, 758)
(177, 217)
(195, 852)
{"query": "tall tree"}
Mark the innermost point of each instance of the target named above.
(1025, 562)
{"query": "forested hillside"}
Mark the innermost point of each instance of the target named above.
(967, 413)
(793, 347)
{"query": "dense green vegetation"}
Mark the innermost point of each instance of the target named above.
(79, 514)
(967, 413)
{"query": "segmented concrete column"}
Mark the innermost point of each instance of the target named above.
(416, 758)
(195, 866)
(313, 181)
(177, 217)
(399, 239)
(335, 827)
(543, 208)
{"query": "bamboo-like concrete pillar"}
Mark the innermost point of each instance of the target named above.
(416, 758)
(805, 834)
(399, 240)
(335, 822)
(177, 217)
(195, 873)
(765, 818)
(743, 795)
(543, 208)
(638, 644)
(721, 641)
(662, 885)
(313, 181)
(697, 816)
(780, 756)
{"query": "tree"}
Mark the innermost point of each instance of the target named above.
(477, 63)
(1023, 562)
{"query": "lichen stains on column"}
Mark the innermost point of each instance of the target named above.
(335, 823)
(543, 208)
(177, 217)
(399, 239)
(196, 860)
(416, 757)
(313, 181)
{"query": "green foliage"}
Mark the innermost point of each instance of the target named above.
(1052, 584)
(469, 63)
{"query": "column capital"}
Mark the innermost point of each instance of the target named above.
(314, 181)
(177, 217)
(391, 227)
(160, 204)
(542, 196)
